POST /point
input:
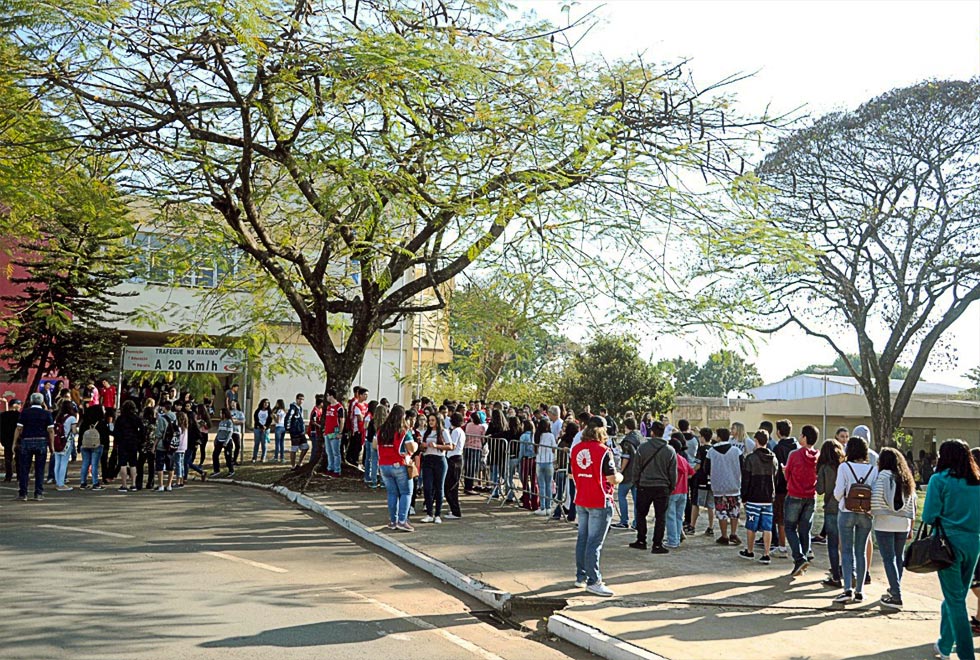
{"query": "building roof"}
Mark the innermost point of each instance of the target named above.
(806, 386)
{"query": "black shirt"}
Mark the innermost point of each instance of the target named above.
(8, 425)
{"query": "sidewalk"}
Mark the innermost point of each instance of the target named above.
(701, 601)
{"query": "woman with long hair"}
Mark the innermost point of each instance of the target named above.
(394, 452)
(279, 431)
(831, 456)
(66, 428)
(545, 462)
(953, 505)
(854, 526)
(435, 444)
(893, 507)
(129, 433)
(457, 440)
(741, 440)
(262, 420)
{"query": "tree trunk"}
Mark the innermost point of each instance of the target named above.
(42, 366)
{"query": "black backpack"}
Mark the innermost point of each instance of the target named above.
(171, 436)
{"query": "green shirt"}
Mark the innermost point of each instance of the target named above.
(954, 502)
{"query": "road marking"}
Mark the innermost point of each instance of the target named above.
(99, 532)
(425, 625)
(247, 562)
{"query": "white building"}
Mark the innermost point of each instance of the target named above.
(808, 386)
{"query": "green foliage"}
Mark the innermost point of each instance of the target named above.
(973, 393)
(840, 368)
(723, 372)
(610, 372)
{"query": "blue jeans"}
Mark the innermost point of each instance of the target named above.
(512, 468)
(370, 462)
(27, 449)
(546, 473)
(91, 458)
(624, 510)
(675, 518)
(833, 540)
(180, 470)
(399, 488)
(593, 525)
(61, 467)
(434, 470)
(561, 479)
(279, 452)
(798, 519)
(189, 463)
(854, 531)
(891, 547)
(261, 440)
(332, 443)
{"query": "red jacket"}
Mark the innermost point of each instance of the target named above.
(801, 473)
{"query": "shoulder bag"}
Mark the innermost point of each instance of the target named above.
(929, 552)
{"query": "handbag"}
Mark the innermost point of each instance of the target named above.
(929, 552)
(413, 470)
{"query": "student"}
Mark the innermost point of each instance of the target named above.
(704, 498)
(724, 464)
(164, 457)
(785, 445)
(529, 470)
(238, 437)
(129, 433)
(655, 476)
(394, 452)
(629, 445)
(831, 456)
(454, 468)
(678, 498)
(65, 430)
(855, 526)
(279, 431)
(472, 452)
(33, 439)
(801, 498)
(262, 420)
(334, 425)
(435, 443)
(223, 444)
(545, 462)
(740, 439)
(953, 501)
(180, 468)
(758, 490)
(296, 425)
(893, 508)
(595, 475)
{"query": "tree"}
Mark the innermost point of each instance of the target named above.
(366, 153)
(503, 328)
(723, 372)
(887, 197)
(974, 376)
(840, 368)
(610, 372)
(685, 371)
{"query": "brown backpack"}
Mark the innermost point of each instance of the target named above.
(858, 496)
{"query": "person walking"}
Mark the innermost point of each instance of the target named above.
(394, 453)
(759, 470)
(129, 433)
(655, 475)
(831, 456)
(595, 474)
(893, 508)
(223, 444)
(953, 504)
(33, 439)
(801, 498)
(852, 490)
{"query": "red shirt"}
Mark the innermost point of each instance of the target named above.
(801, 473)
(684, 470)
(591, 463)
(361, 408)
(316, 419)
(331, 418)
(109, 396)
(390, 455)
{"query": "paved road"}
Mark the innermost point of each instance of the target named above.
(219, 572)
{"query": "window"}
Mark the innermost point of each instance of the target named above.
(161, 259)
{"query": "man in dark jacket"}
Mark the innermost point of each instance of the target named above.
(784, 447)
(655, 475)
(758, 490)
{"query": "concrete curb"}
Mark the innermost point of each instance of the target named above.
(595, 641)
(495, 598)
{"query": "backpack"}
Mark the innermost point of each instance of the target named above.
(171, 436)
(60, 440)
(91, 439)
(858, 496)
(295, 420)
(225, 431)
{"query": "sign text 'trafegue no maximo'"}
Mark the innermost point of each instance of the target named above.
(183, 360)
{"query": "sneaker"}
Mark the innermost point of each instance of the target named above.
(799, 567)
(391, 525)
(83, 486)
(867, 578)
(438, 520)
(428, 519)
(831, 582)
(169, 488)
(123, 489)
(231, 474)
(542, 512)
(722, 540)
(450, 516)
(599, 589)
(581, 584)
(49, 480)
(765, 559)
(809, 557)
(39, 498)
(22, 498)
(759, 542)
(709, 532)
(734, 540)
(160, 489)
(819, 540)
(846, 597)
(638, 545)
(405, 526)
(938, 653)
(620, 525)
(64, 489)
(133, 489)
(783, 553)
(97, 487)
(859, 596)
(659, 550)
(688, 529)
(746, 554)
(892, 603)
(411, 510)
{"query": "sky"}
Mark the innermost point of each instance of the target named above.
(816, 56)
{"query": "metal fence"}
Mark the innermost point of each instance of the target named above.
(536, 476)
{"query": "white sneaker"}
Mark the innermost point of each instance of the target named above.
(581, 584)
(450, 516)
(427, 519)
(599, 589)
(438, 520)
(542, 512)
(411, 510)
(938, 653)
(169, 488)
(161, 489)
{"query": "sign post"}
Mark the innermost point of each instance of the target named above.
(183, 360)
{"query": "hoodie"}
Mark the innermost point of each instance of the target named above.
(801, 473)
(724, 465)
(759, 476)
(783, 449)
